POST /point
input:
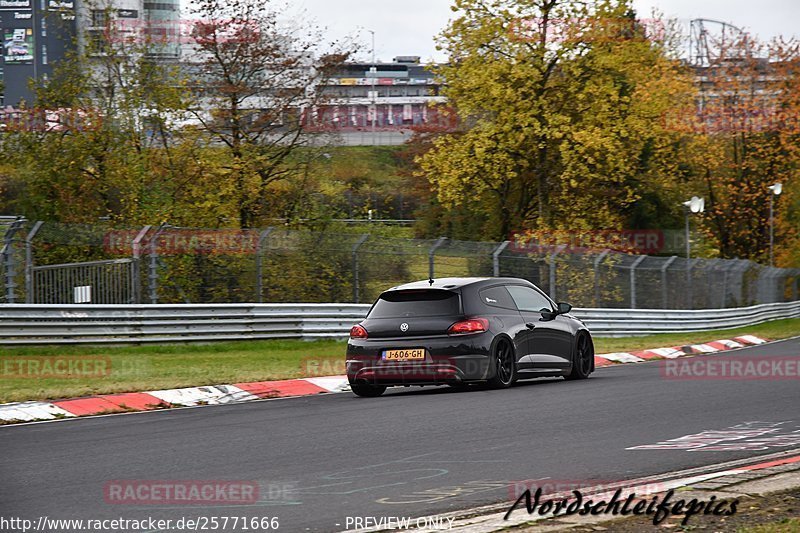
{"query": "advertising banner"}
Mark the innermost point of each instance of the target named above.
(18, 46)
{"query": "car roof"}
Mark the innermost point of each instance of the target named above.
(453, 283)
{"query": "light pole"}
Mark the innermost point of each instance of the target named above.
(776, 190)
(695, 205)
(374, 73)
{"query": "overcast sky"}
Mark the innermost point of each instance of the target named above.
(407, 27)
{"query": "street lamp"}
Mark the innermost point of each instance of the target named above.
(374, 72)
(695, 205)
(776, 190)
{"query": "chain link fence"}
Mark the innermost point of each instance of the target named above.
(51, 263)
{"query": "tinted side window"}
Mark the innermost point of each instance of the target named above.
(498, 297)
(528, 299)
(414, 303)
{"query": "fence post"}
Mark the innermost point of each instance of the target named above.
(137, 267)
(29, 261)
(551, 261)
(690, 263)
(356, 246)
(597, 261)
(711, 268)
(8, 259)
(725, 268)
(729, 267)
(775, 289)
(633, 279)
(152, 275)
(664, 292)
(794, 286)
(496, 258)
(431, 254)
(262, 238)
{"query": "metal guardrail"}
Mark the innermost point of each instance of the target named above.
(29, 324)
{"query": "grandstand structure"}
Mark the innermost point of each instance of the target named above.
(364, 96)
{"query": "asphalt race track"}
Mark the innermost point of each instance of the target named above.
(413, 452)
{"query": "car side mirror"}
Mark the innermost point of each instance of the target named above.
(564, 308)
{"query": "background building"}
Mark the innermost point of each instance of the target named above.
(35, 35)
(383, 96)
(38, 33)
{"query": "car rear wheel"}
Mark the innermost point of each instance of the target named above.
(367, 391)
(505, 366)
(584, 357)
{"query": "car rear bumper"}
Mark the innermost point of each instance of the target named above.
(435, 370)
(448, 359)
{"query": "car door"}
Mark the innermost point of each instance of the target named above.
(501, 305)
(550, 337)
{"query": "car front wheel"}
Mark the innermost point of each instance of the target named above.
(584, 357)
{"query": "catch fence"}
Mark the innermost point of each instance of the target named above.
(51, 263)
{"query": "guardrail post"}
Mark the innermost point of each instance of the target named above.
(551, 261)
(152, 275)
(633, 279)
(664, 292)
(356, 246)
(496, 258)
(29, 261)
(136, 245)
(262, 238)
(597, 261)
(432, 253)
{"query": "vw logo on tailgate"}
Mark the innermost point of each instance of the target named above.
(404, 327)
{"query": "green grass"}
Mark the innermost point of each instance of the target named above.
(137, 368)
(784, 526)
(778, 329)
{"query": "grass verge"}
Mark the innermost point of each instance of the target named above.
(139, 368)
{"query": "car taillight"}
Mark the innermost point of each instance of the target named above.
(473, 325)
(358, 332)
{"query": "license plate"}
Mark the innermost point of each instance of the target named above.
(412, 354)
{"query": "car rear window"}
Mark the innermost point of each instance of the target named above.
(416, 303)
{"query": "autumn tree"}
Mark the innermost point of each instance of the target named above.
(742, 137)
(562, 102)
(256, 83)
